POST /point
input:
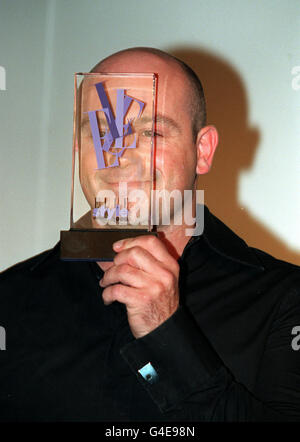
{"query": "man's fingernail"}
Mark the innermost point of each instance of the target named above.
(100, 282)
(118, 244)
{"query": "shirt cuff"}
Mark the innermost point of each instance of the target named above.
(174, 360)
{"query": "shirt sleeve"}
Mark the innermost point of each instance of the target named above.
(188, 381)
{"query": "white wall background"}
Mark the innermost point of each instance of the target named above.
(246, 50)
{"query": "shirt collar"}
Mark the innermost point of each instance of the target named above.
(226, 243)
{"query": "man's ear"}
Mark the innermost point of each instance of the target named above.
(207, 141)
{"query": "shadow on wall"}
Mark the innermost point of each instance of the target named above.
(227, 109)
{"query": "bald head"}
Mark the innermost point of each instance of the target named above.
(197, 105)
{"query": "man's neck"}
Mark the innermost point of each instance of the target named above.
(175, 239)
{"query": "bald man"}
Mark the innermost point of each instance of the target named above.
(177, 327)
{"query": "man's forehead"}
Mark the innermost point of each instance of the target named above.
(171, 76)
(138, 87)
(138, 60)
(173, 93)
(169, 70)
(113, 82)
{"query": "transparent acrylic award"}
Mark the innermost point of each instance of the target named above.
(112, 172)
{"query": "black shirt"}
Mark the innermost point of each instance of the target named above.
(225, 355)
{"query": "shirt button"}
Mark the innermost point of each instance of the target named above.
(149, 373)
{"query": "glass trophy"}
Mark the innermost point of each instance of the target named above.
(112, 171)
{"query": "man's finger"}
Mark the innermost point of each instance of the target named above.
(104, 265)
(141, 259)
(151, 244)
(121, 293)
(126, 274)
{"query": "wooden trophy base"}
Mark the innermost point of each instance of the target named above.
(94, 245)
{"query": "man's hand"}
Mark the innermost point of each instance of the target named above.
(144, 276)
